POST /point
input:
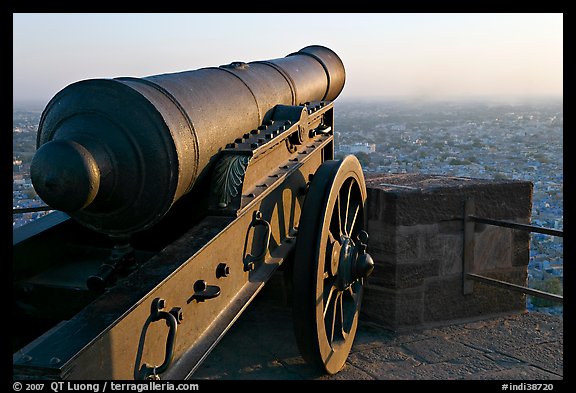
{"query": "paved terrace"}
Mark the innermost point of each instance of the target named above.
(522, 346)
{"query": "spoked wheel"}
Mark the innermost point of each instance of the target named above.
(330, 264)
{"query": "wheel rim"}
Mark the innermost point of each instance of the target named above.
(327, 288)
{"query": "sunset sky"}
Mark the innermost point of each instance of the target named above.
(411, 55)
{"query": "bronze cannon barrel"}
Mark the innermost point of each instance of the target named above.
(116, 154)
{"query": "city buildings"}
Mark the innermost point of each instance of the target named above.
(471, 139)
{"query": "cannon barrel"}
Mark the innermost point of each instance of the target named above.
(116, 154)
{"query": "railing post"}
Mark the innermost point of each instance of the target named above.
(468, 244)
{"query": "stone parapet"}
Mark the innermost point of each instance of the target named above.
(415, 223)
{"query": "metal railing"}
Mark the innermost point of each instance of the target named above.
(22, 210)
(468, 278)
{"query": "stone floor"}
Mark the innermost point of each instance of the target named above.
(261, 346)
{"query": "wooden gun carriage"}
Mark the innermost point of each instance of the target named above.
(176, 198)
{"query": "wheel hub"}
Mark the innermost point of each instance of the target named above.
(350, 261)
(345, 262)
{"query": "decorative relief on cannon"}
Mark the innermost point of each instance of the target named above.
(228, 178)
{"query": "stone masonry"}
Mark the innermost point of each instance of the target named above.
(415, 223)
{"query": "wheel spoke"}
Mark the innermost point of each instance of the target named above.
(354, 219)
(328, 259)
(335, 311)
(347, 208)
(341, 309)
(327, 302)
(339, 216)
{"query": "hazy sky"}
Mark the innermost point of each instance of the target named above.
(415, 55)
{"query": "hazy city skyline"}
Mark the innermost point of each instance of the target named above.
(389, 55)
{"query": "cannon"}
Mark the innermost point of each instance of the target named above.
(176, 198)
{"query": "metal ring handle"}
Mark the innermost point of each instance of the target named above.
(256, 221)
(156, 314)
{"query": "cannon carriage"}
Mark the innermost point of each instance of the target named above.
(176, 199)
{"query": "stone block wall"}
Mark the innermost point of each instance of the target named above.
(415, 223)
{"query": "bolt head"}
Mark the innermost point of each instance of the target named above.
(222, 270)
(200, 286)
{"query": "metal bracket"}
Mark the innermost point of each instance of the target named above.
(122, 257)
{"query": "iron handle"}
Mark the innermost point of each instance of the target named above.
(156, 314)
(257, 220)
